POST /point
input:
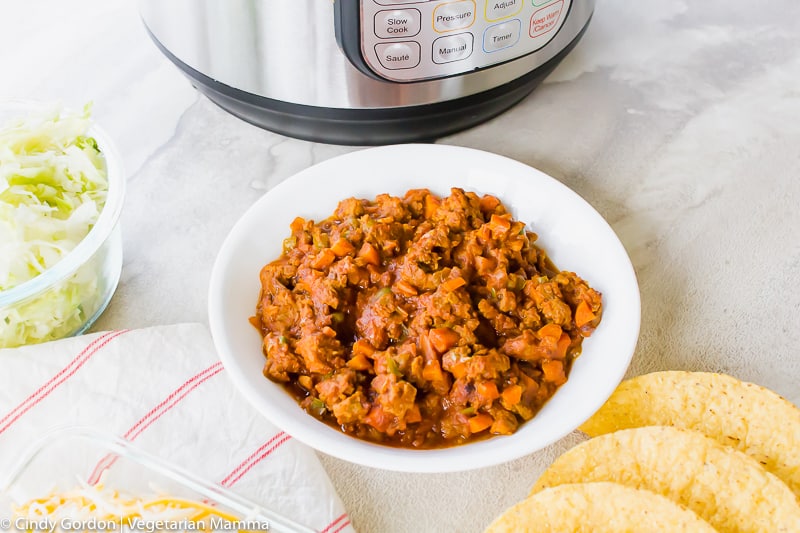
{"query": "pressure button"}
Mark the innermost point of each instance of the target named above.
(397, 56)
(397, 23)
(454, 16)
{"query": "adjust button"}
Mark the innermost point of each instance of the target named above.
(454, 16)
(501, 35)
(397, 23)
(396, 56)
(452, 48)
(500, 9)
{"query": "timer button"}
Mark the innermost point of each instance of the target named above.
(397, 56)
(452, 48)
(454, 16)
(397, 23)
(500, 36)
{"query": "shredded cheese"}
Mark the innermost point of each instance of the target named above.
(92, 505)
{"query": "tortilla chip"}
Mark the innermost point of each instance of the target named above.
(597, 508)
(723, 486)
(748, 417)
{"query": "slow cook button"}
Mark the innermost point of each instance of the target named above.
(545, 19)
(397, 23)
(500, 9)
(454, 16)
(501, 36)
(452, 48)
(396, 56)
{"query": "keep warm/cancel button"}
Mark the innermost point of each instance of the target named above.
(396, 56)
(546, 19)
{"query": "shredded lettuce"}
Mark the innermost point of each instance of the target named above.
(53, 186)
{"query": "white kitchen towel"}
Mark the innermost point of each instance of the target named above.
(164, 389)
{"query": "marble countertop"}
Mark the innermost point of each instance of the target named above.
(678, 121)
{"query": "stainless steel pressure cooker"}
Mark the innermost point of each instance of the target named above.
(366, 71)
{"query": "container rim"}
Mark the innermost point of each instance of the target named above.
(123, 448)
(100, 232)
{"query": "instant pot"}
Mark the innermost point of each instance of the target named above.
(366, 71)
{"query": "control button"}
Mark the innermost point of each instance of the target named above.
(397, 23)
(395, 2)
(454, 16)
(500, 36)
(500, 9)
(452, 48)
(546, 18)
(396, 56)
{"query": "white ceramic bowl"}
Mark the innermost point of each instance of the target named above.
(79, 287)
(574, 235)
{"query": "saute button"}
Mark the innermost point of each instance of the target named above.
(396, 56)
(501, 36)
(545, 19)
(397, 23)
(454, 16)
(500, 9)
(452, 48)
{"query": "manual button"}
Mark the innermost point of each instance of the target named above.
(397, 23)
(452, 48)
(396, 56)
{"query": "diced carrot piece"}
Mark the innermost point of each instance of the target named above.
(563, 345)
(363, 347)
(484, 265)
(369, 254)
(550, 330)
(431, 205)
(297, 224)
(342, 247)
(459, 370)
(405, 288)
(511, 396)
(480, 422)
(359, 362)
(452, 284)
(500, 225)
(554, 372)
(488, 203)
(413, 415)
(378, 418)
(583, 314)
(432, 371)
(443, 339)
(487, 390)
(325, 259)
(428, 351)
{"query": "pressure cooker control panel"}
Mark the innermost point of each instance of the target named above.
(413, 40)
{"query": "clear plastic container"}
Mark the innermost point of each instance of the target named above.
(66, 457)
(67, 298)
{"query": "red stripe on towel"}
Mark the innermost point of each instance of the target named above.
(333, 524)
(256, 457)
(155, 413)
(342, 527)
(63, 375)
